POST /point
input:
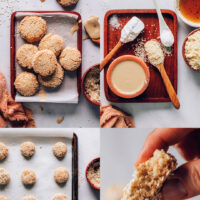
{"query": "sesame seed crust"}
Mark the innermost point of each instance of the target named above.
(52, 42)
(66, 3)
(29, 198)
(60, 196)
(32, 28)
(4, 176)
(25, 55)
(44, 63)
(28, 177)
(61, 175)
(3, 151)
(26, 84)
(70, 59)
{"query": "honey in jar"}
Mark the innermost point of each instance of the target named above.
(190, 9)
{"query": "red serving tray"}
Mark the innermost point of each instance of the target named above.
(13, 50)
(156, 91)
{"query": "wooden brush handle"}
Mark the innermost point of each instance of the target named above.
(110, 55)
(169, 87)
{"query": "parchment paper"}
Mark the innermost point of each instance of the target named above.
(43, 163)
(60, 24)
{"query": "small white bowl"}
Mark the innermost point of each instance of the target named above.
(185, 20)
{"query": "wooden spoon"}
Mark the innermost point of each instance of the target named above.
(168, 85)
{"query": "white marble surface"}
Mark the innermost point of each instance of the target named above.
(82, 115)
(163, 114)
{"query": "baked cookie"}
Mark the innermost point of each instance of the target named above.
(3, 198)
(3, 151)
(32, 28)
(70, 59)
(150, 176)
(29, 198)
(61, 175)
(44, 62)
(60, 149)
(26, 84)
(54, 80)
(25, 55)
(4, 176)
(28, 177)
(27, 149)
(60, 197)
(67, 3)
(52, 42)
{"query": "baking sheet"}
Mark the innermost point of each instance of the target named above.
(61, 24)
(43, 162)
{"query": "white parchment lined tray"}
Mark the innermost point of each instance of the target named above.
(58, 23)
(43, 163)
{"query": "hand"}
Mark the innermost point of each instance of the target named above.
(185, 183)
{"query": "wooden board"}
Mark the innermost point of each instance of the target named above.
(13, 49)
(156, 91)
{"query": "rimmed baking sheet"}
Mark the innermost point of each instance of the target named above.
(43, 163)
(59, 23)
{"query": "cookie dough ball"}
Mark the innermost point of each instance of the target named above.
(67, 3)
(25, 55)
(60, 197)
(32, 28)
(3, 198)
(52, 42)
(55, 80)
(61, 175)
(44, 62)
(60, 149)
(4, 176)
(70, 59)
(28, 198)
(27, 149)
(3, 151)
(28, 177)
(26, 84)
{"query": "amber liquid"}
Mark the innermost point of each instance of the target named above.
(190, 9)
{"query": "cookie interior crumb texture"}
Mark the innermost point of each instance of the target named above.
(67, 3)
(27, 149)
(4, 176)
(93, 174)
(70, 59)
(52, 42)
(60, 149)
(60, 197)
(26, 84)
(25, 55)
(32, 28)
(92, 84)
(29, 198)
(149, 177)
(44, 62)
(3, 151)
(61, 175)
(28, 177)
(92, 27)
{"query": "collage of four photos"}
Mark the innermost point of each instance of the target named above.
(99, 100)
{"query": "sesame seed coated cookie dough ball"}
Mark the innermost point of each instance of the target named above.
(4, 176)
(60, 149)
(26, 84)
(3, 151)
(44, 62)
(28, 177)
(28, 198)
(61, 175)
(52, 42)
(55, 80)
(25, 55)
(66, 3)
(3, 198)
(70, 59)
(27, 149)
(32, 28)
(60, 197)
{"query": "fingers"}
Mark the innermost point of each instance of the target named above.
(185, 183)
(161, 138)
